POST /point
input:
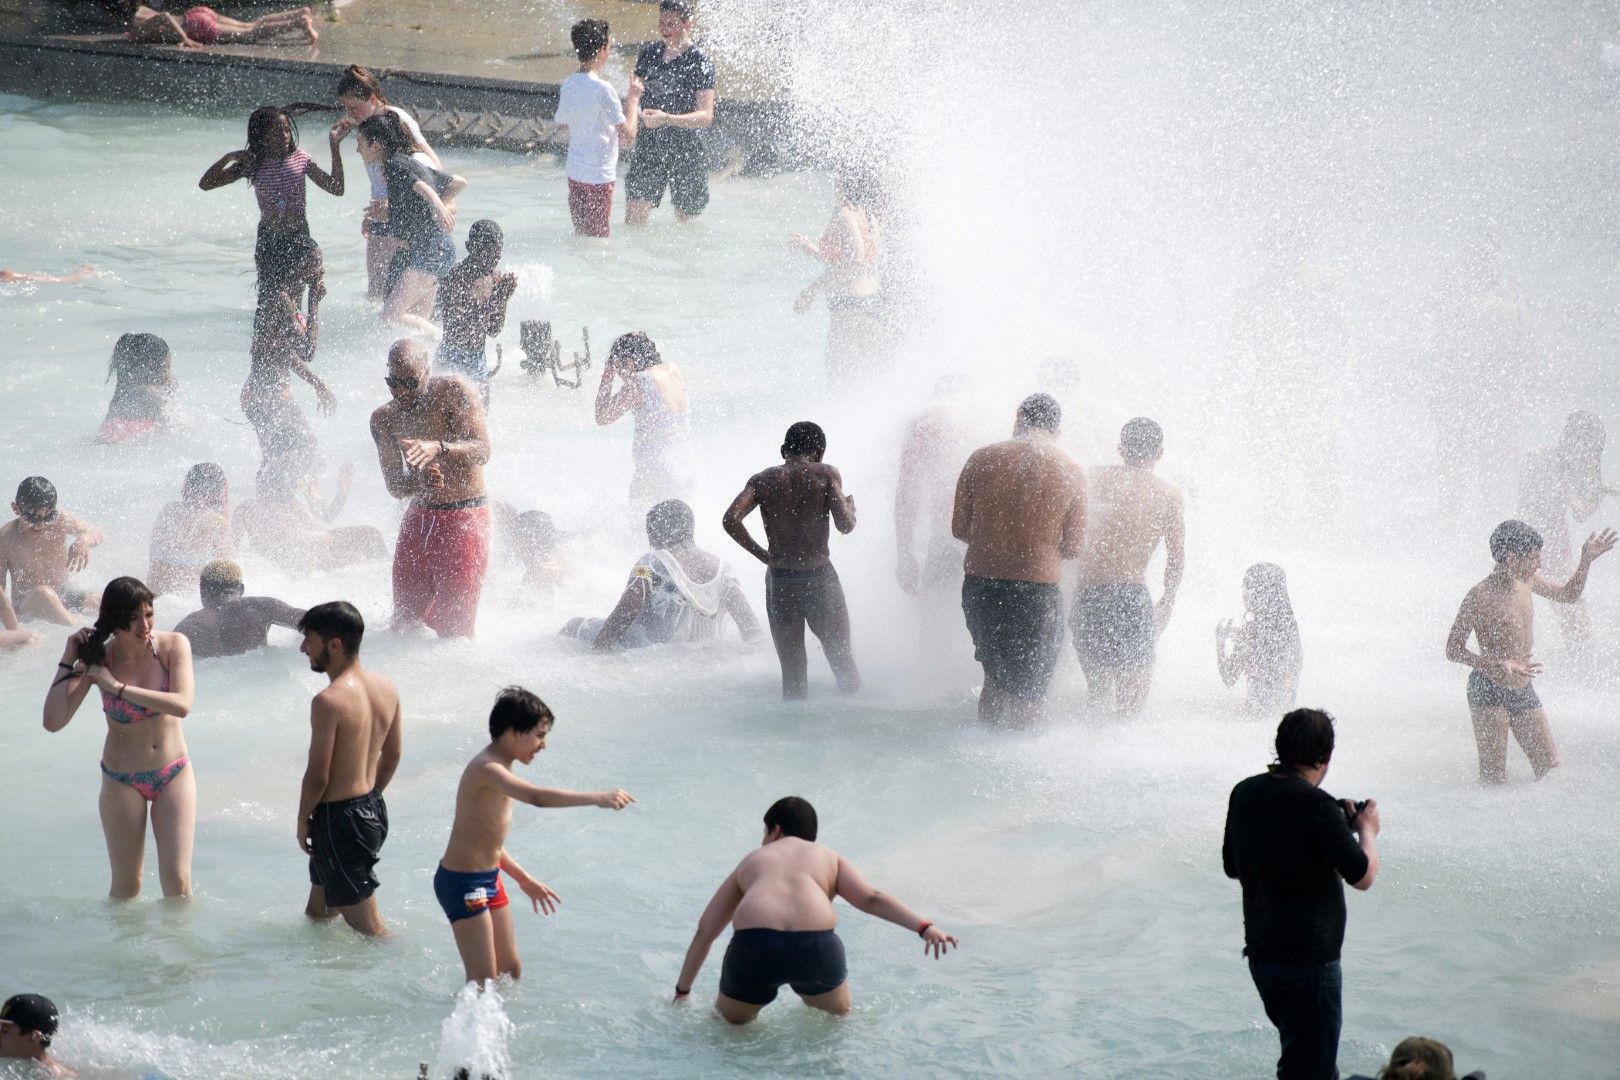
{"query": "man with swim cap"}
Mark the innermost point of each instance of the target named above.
(1499, 613)
(779, 902)
(1115, 620)
(27, 1025)
(229, 623)
(1021, 510)
(432, 445)
(354, 748)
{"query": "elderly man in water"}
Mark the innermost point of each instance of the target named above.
(432, 445)
(40, 550)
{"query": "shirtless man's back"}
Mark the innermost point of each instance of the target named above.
(779, 902)
(1115, 621)
(355, 744)
(1499, 613)
(1021, 509)
(797, 499)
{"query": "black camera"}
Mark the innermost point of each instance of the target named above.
(1351, 809)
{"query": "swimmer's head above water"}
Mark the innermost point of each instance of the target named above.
(36, 501)
(804, 440)
(669, 524)
(332, 634)
(27, 1026)
(1141, 442)
(220, 582)
(484, 244)
(126, 607)
(407, 371)
(1583, 434)
(205, 485)
(140, 358)
(1518, 547)
(635, 351)
(1038, 412)
(519, 723)
(790, 816)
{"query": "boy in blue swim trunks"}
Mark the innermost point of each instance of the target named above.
(779, 901)
(1499, 613)
(468, 879)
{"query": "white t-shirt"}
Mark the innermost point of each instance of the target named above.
(374, 171)
(590, 107)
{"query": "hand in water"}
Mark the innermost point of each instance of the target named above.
(938, 942)
(617, 799)
(1599, 543)
(540, 895)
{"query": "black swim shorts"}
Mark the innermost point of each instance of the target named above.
(1017, 627)
(758, 961)
(814, 596)
(347, 837)
(1486, 693)
(1114, 626)
(674, 159)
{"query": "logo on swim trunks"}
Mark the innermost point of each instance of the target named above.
(479, 899)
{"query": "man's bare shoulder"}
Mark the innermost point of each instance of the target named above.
(451, 392)
(382, 417)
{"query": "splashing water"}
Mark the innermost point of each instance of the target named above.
(474, 1037)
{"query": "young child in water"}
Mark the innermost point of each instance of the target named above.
(1265, 647)
(468, 881)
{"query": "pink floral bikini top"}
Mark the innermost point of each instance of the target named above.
(121, 710)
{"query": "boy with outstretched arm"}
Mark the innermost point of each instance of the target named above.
(468, 881)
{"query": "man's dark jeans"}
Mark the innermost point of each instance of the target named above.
(1305, 1004)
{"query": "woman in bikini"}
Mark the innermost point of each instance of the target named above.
(276, 169)
(144, 677)
(146, 385)
(654, 390)
(849, 250)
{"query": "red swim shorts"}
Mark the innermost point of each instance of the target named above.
(592, 207)
(201, 25)
(439, 564)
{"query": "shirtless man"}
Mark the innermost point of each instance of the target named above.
(1115, 620)
(779, 902)
(472, 301)
(229, 623)
(40, 549)
(801, 587)
(354, 749)
(468, 882)
(1498, 612)
(28, 1023)
(1021, 510)
(432, 445)
(279, 523)
(1561, 482)
(192, 531)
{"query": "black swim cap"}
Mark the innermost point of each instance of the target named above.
(30, 1012)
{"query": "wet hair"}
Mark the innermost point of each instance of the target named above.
(122, 600)
(262, 124)
(335, 620)
(679, 7)
(1141, 441)
(1583, 431)
(589, 37)
(388, 131)
(204, 481)
(1419, 1058)
(1514, 538)
(140, 358)
(1304, 739)
(220, 580)
(670, 523)
(484, 233)
(359, 82)
(537, 528)
(637, 349)
(1276, 646)
(805, 439)
(519, 710)
(1040, 411)
(860, 188)
(795, 816)
(36, 493)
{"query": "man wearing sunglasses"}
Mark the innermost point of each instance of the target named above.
(432, 444)
(38, 552)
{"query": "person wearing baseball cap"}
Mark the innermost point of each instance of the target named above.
(27, 1024)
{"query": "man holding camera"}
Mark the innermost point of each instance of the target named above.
(1290, 843)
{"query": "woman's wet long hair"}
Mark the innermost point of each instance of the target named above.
(1276, 642)
(121, 601)
(143, 359)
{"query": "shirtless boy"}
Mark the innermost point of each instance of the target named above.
(779, 902)
(472, 300)
(229, 623)
(432, 445)
(40, 549)
(1115, 620)
(1021, 510)
(468, 881)
(354, 749)
(28, 1023)
(796, 499)
(1499, 613)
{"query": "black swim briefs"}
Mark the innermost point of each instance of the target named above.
(812, 596)
(1017, 627)
(1114, 625)
(347, 837)
(1486, 693)
(758, 961)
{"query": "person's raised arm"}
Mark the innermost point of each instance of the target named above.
(280, 613)
(841, 506)
(737, 529)
(611, 405)
(323, 725)
(227, 170)
(1175, 562)
(512, 786)
(1073, 539)
(175, 701)
(624, 614)
(332, 182)
(393, 746)
(68, 685)
(861, 895)
(499, 298)
(1570, 591)
(962, 508)
(85, 537)
(711, 924)
(400, 484)
(8, 614)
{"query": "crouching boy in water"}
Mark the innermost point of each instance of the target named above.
(468, 879)
(779, 901)
(1498, 611)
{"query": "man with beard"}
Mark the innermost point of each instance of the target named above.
(353, 751)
